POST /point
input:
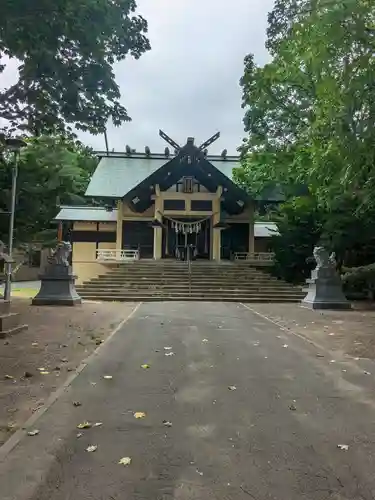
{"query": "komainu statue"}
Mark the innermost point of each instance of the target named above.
(323, 259)
(61, 255)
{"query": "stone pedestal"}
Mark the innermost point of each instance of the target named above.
(325, 290)
(9, 322)
(57, 287)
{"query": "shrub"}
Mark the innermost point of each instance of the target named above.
(359, 282)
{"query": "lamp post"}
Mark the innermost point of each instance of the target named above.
(13, 145)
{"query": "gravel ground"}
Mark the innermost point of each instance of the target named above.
(349, 332)
(57, 340)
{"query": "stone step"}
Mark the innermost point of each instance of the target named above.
(193, 293)
(172, 281)
(202, 277)
(182, 298)
(203, 282)
(184, 286)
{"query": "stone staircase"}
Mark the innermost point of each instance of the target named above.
(171, 280)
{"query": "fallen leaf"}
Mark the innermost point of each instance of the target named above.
(35, 432)
(205, 340)
(232, 387)
(91, 448)
(108, 377)
(44, 372)
(125, 461)
(167, 348)
(139, 414)
(145, 366)
(84, 425)
(98, 424)
(77, 403)
(167, 423)
(169, 353)
(8, 377)
(41, 369)
(343, 447)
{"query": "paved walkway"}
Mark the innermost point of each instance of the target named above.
(275, 435)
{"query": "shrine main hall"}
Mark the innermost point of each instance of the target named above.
(180, 204)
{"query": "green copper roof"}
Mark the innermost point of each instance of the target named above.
(114, 177)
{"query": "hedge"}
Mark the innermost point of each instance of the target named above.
(359, 282)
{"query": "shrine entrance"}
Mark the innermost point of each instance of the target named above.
(184, 235)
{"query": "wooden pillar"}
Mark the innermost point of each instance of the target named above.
(60, 231)
(251, 231)
(216, 233)
(119, 226)
(158, 231)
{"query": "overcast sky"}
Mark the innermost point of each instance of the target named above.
(187, 85)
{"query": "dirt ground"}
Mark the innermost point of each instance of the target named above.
(350, 332)
(33, 363)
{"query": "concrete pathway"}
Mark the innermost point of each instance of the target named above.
(255, 414)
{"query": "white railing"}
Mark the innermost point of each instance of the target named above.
(116, 255)
(258, 257)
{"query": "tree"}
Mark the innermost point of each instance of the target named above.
(309, 111)
(309, 117)
(67, 49)
(300, 224)
(51, 169)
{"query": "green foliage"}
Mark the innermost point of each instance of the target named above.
(309, 117)
(309, 112)
(300, 225)
(66, 50)
(51, 169)
(359, 282)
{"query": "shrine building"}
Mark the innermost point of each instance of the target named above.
(181, 205)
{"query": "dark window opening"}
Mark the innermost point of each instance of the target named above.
(201, 205)
(174, 205)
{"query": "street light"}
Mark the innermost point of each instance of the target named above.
(14, 146)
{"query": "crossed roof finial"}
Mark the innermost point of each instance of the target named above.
(190, 140)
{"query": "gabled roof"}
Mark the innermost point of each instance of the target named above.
(188, 163)
(116, 175)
